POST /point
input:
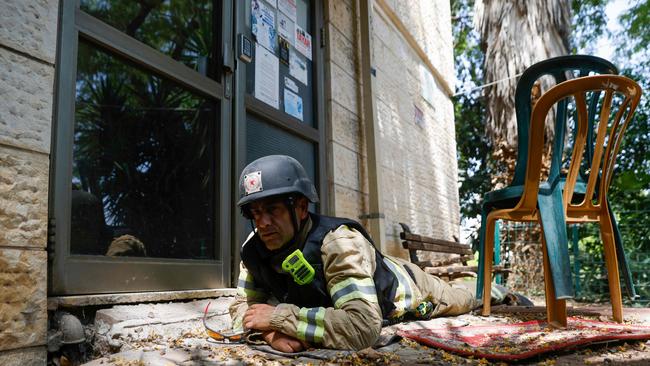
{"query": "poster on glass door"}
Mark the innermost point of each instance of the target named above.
(298, 67)
(286, 28)
(263, 25)
(292, 104)
(267, 76)
(303, 42)
(288, 7)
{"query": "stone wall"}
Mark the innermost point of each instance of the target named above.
(418, 159)
(345, 146)
(27, 52)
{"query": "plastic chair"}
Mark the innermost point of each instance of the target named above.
(507, 197)
(550, 202)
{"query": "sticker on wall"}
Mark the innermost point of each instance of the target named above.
(298, 67)
(263, 24)
(290, 84)
(284, 51)
(288, 7)
(292, 104)
(303, 42)
(286, 28)
(418, 116)
(267, 76)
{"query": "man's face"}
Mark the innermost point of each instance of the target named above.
(273, 221)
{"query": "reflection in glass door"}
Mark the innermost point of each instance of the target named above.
(143, 173)
(140, 197)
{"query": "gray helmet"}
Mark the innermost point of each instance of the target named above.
(274, 175)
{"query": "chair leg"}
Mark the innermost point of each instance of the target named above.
(556, 314)
(551, 218)
(607, 235)
(623, 266)
(481, 258)
(488, 254)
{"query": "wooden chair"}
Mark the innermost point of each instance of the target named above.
(557, 68)
(455, 253)
(552, 204)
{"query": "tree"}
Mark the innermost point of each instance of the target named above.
(515, 35)
(476, 166)
(630, 191)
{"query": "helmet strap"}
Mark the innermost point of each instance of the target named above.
(291, 206)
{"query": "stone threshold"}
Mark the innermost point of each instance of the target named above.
(56, 302)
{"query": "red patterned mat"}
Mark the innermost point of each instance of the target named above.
(522, 340)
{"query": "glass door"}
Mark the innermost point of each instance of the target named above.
(279, 89)
(140, 180)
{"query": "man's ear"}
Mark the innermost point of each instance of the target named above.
(302, 206)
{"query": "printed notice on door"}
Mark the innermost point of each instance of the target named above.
(288, 7)
(267, 76)
(298, 67)
(303, 42)
(286, 28)
(263, 24)
(292, 104)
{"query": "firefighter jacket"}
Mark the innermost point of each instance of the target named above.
(345, 307)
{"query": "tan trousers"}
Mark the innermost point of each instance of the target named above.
(453, 298)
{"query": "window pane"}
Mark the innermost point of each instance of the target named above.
(144, 163)
(182, 29)
(303, 13)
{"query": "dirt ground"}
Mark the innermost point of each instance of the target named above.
(192, 347)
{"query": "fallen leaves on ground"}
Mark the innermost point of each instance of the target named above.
(119, 361)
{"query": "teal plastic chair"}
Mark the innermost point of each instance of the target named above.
(554, 203)
(557, 68)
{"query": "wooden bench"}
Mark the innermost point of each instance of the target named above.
(454, 266)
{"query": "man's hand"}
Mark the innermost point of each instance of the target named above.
(258, 317)
(282, 342)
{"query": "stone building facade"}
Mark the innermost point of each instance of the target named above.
(412, 54)
(27, 64)
(412, 66)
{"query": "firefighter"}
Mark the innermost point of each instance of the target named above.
(313, 280)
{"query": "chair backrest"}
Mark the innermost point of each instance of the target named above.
(615, 110)
(556, 67)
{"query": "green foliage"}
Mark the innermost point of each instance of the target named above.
(592, 276)
(180, 29)
(473, 147)
(630, 191)
(636, 23)
(589, 23)
(589, 243)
